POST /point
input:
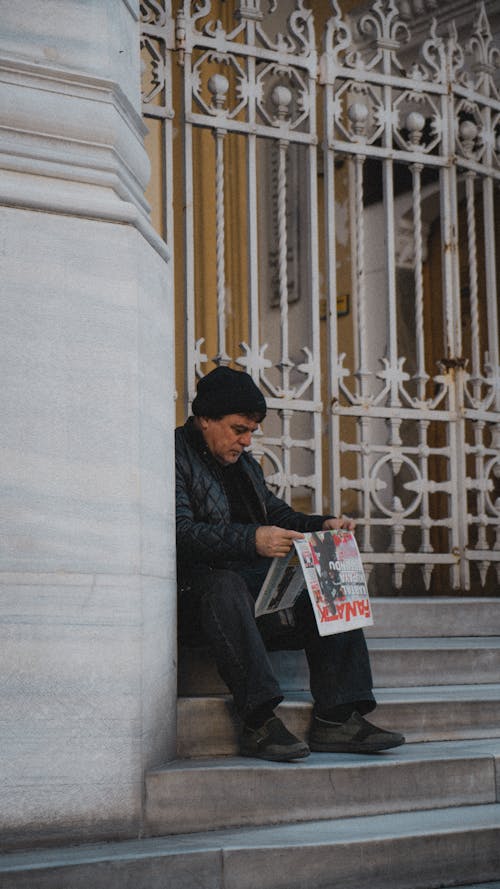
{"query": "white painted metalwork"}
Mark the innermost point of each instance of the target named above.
(410, 132)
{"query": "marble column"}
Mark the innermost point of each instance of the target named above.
(87, 546)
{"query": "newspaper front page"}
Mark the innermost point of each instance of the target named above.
(328, 563)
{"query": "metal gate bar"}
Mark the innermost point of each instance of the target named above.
(423, 468)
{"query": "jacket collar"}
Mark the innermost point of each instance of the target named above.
(196, 440)
(194, 435)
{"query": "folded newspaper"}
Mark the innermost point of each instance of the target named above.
(328, 563)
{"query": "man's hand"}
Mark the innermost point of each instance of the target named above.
(271, 541)
(343, 522)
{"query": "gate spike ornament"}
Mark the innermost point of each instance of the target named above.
(386, 109)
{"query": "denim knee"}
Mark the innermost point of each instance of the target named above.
(227, 595)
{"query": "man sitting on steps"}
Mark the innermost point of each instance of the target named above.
(229, 526)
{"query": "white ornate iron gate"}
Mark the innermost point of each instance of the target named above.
(370, 300)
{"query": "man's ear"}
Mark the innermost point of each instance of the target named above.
(203, 421)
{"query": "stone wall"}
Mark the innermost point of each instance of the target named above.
(87, 558)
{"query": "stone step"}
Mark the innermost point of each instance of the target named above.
(206, 727)
(436, 616)
(206, 794)
(406, 850)
(412, 661)
(435, 661)
(495, 885)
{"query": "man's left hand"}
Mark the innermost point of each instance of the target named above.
(343, 522)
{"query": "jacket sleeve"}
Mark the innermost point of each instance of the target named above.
(210, 543)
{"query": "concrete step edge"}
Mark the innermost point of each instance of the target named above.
(433, 643)
(427, 822)
(208, 793)
(415, 661)
(411, 752)
(485, 691)
(432, 822)
(206, 725)
(426, 616)
(495, 885)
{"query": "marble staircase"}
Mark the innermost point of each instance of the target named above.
(422, 816)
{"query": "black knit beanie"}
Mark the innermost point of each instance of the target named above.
(226, 391)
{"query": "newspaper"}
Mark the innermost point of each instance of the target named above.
(328, 563)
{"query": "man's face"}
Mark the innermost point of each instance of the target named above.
(228, 437)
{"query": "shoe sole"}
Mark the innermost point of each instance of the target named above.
(352, 747)
(300, 753)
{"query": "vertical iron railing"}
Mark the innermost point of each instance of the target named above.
(407, 141)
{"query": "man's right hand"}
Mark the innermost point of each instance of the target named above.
(271, 541)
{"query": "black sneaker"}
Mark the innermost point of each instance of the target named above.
(272, 741)
(357, 735)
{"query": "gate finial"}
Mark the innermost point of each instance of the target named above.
(250, 9)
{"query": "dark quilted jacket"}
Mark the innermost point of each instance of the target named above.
(205, 533)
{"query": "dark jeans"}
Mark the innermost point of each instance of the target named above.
(220, 603)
